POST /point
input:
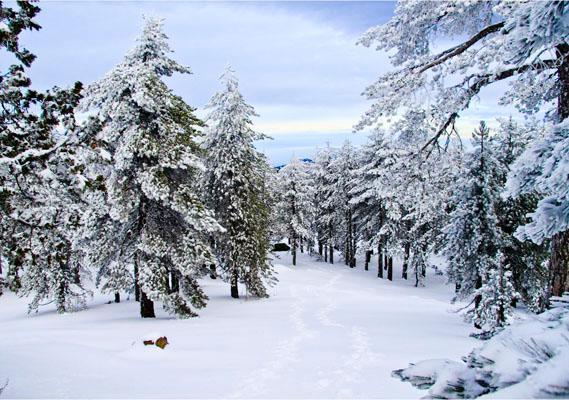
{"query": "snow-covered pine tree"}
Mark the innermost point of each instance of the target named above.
(295, 203)
(235, 190)
(162, 227)
(369, 203)
(525, 259)
(37, 212)
(323, 185)
(542, 26)
(524, 43)
(542, 168)
(343, 168)
(420, 184)
(58, 272)
(473, 238)
(367, 209)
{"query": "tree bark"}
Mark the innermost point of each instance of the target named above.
(379, 261)
(320, 247)
(212, 271)
(325, 253)
(76, 274)
(563, 74)
(117, 297)
(175, 285)
(146, 306)
(368, 259)
(390, 268)
(559, 261)
(136, 284)
(407, 247)
(353, 247)
(234, 284)
(293, 249)
(477, 299)
(331, 254)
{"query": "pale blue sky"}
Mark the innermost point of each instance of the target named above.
(297, 61)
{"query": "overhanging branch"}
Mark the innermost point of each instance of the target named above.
(482, 81)
(459, 49)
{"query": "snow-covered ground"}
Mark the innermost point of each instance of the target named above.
(327, 331)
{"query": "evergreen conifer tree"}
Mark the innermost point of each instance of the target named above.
(235, 185)
(37, 212)
(159, 226)
(474, 239)
(343, 168)
(323, 180)
(525, 259)
(295, 203)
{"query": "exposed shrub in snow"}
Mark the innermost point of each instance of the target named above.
(527, 359)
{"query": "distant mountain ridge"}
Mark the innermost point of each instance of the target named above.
(304, 160)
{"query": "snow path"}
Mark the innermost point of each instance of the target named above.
(326, 332)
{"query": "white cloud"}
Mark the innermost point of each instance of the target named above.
(301, 70)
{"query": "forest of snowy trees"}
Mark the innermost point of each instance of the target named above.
(122, 197)
(119, 183)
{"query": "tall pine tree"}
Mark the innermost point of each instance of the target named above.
(235, 185)
(161, 227)
(474, 239)
(295, 204)
(36, 212)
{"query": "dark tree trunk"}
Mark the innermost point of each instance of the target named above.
(146, 306)
(368, 259)
(325, 253)
(330, 244)
(501, 315)
(136, 285)
(301, 246)
(406, 260)
(354, 245)
(477, 299)
(320, 247)
(212, 270)
(234, 285)
(76, 275)
(293, 249)
(175, 286)
(379, 262)
(559, 262)
(349, 256)
(117, 297)
(563, 74)
(385, 261)
(390, 268)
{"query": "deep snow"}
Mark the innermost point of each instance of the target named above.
(327, 331)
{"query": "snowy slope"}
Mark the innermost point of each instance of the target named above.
(327, 331)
